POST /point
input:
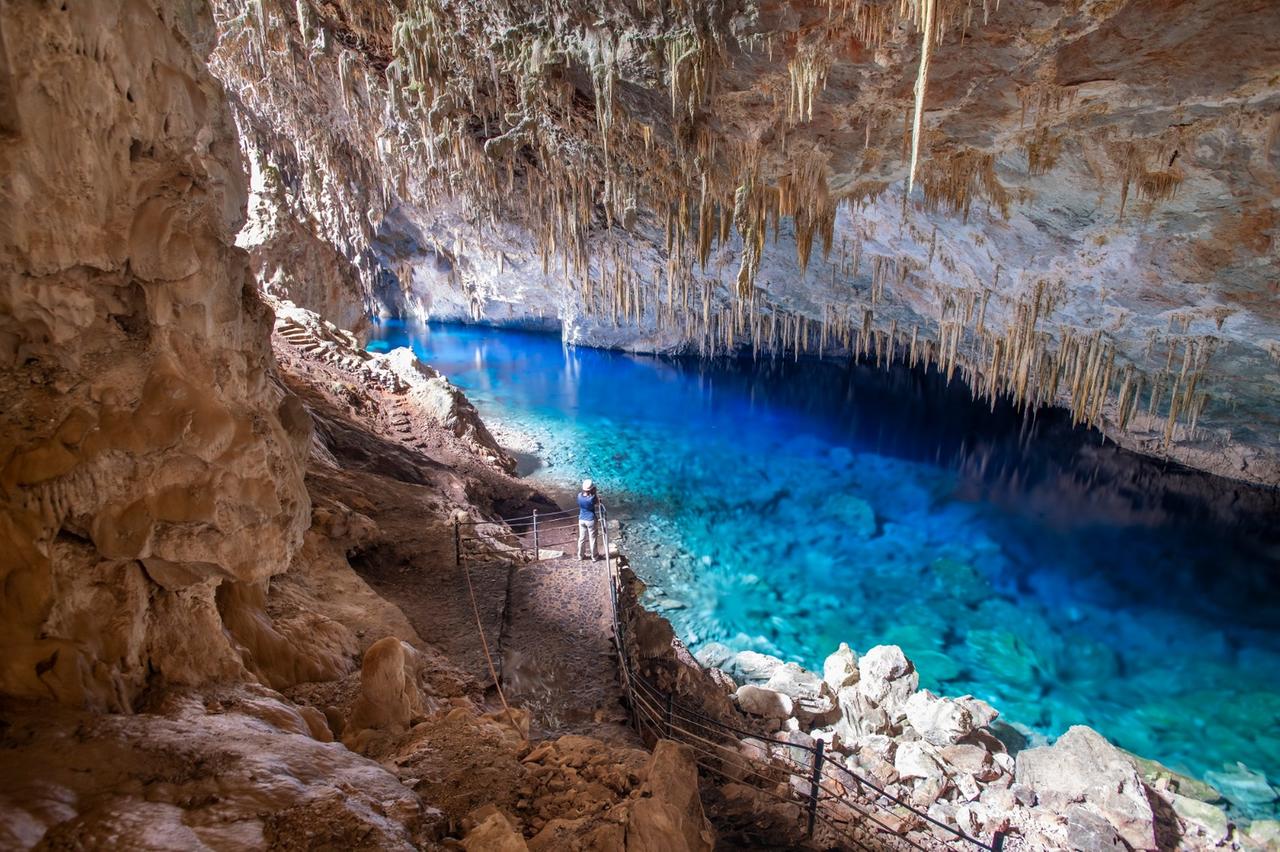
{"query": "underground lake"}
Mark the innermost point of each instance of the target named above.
(786, 507)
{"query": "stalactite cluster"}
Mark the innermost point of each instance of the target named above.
(532, 114)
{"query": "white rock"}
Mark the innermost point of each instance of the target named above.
(887, 679)
(768, 703)
(914, 760)
(1089, 831)
(941, 721)
(1211, 820)
(969, 759)
(859, 716)
(840, 669)
(999, 800)
(982, 713)
(812, 697)
(967, 787)
(971, 818)
(752, 667)
(1082, 765)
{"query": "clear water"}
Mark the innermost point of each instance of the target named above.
(788, 507)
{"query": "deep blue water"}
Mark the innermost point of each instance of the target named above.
(788, 507)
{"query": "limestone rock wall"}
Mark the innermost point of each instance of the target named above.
(290, 262)
(145, 455)
(1091, 221)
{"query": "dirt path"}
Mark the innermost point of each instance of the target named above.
(558, 657)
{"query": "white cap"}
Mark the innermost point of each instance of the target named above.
(586, 484)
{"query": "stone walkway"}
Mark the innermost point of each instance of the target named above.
(557, 652)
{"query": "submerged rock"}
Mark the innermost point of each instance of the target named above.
(1243, 787)
(752, 667)
(714, 655)
(853, 513)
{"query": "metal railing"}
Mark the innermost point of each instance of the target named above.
(541, 529)
(834, 803)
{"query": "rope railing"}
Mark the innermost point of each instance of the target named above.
(851, 808)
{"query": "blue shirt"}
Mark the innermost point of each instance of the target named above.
(587, 507)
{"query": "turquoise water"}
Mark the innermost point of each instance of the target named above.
(788, 507)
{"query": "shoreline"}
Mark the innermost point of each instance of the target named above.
(717, 671)
(1220, 459)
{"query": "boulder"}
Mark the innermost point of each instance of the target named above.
(887, 679)
(859, 716)
(813, 700)
(389, 696)
(967, 787)
(1089, 831)
(752, 667)
(982, 713)
(494, 834)
(668, 817)
(882, 771)
(856, 514)
(970, 759)
(760, 701)
(1082, 765)
(940, 721)
(840, 669)
(915, 760)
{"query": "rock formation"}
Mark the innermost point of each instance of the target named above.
(939, 755)
(147, 457)
(1045, 220)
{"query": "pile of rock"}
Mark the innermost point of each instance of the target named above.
(948, 757)
(581, 794)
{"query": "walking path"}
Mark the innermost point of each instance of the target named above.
(557, 652)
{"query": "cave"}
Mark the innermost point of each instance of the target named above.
(910, 370)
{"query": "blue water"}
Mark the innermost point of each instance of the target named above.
(788, 507)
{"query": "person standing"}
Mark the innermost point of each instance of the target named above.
(588, 510)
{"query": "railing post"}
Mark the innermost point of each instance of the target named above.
(537, 549)
(669, 700)
(457, 543)
(814, 786)
(997, 842)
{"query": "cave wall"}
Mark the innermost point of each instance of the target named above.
(146, 457)
(1091, 224)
